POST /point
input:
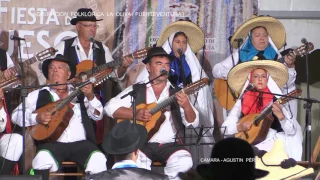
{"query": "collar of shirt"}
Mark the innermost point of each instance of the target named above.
(167, 86)
(76, 42)
(125, 164)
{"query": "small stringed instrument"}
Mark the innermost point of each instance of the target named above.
(262, 122)
(154, 124)
(85, 66)
(227, 98)
(61, 113)
(15, 81)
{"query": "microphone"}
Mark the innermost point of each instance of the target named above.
(89, 81)
(304, 41)
(180, 51)
(12, 37)
(91, 38)
(250, 87)
(163, 72)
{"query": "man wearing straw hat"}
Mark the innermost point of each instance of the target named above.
(266, 77)
(263, 37)
(165, 145)
(182, 39)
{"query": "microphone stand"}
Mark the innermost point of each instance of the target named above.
(308, 106)
(133, 95)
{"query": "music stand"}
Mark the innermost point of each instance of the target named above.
(200, 132)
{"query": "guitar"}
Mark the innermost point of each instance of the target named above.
(15, 81)
(85, 66)
(262, 122)
(225, 95)
(61, 112)
(154, 124)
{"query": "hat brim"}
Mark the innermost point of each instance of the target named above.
(143, 134)
(194, 33)
(147, 59)
(45, 66)
(238, 75)
(204, 170)
(75, 20)
(277, 172)
(274, 27)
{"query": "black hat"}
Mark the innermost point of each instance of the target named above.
(59, 57)
(231, 158)
(84, 14)
(156, 51)
(124, 138)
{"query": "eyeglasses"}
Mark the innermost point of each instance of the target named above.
(90, 25)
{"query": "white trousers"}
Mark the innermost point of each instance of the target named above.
(44, 160)
(11, 146)
(179, 161)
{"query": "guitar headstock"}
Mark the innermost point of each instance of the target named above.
(193, 87)
(140, 53)
(301, 51)
(294, 93)
(46, 54)
(99, 77)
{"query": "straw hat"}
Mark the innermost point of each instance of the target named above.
(239, 73)
(275, 157)
(274, 27)
(194, 33)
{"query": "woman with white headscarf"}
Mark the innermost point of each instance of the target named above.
(267, 77)
(263, 37)
(182, 39)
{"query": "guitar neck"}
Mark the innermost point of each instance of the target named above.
(163, 104)
(67, 100)
(111, 64)
(16, 69)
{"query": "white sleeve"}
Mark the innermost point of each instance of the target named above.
(93, 105)
(290, 85)
(221, 69)
(116, 102)
(30, 117)
(289, 123)
(195, 123)
(229, 126)
(3, 119)
(9, 61)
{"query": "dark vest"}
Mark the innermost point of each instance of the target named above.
(3, 60)
(44, 98)
(70, 52)
(175, 109)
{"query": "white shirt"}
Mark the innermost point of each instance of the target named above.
(3, 114)
(75, 130)
(167, 131)
(123, 163)
(3, 119)
(83, 56)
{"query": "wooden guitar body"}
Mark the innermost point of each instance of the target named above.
(150, 124)
(223, 94)
(258, 132)
(59, 122)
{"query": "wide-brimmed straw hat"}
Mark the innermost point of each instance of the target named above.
(272, 160)
(274, 27)
(239, 74)
(194, 33)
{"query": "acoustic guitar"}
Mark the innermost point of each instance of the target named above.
(154, 124)
(226, 96)
(85, 66)
(15, 81)
(262, 122)
(61, 112)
